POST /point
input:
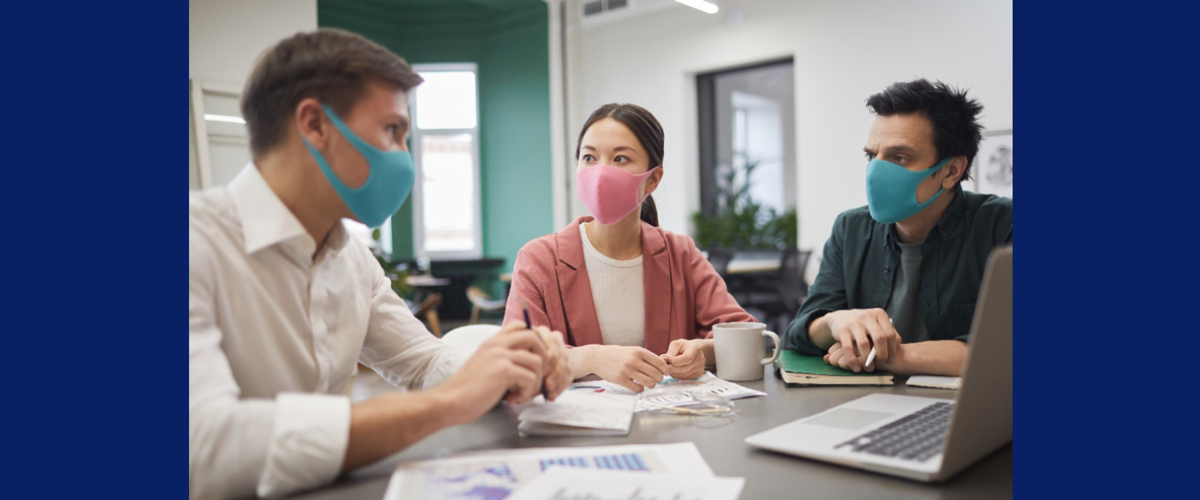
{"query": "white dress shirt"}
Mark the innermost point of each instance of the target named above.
(274, 336)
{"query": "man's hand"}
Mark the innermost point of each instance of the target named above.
(900, 361)
(633, 368)
(686, 359)
(840, 357)
(859, 329)
(513, 361)
(558, 370)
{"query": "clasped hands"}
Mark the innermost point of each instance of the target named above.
(637, 369)
(513, 364)
(854, 332)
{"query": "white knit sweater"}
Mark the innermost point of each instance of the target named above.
(618, 294)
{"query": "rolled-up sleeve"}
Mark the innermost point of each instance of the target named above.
(240, 447)
(308, 442)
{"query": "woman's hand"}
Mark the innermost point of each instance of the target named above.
(633, 368)
(686, 359)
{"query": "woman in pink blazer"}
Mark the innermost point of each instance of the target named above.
(636, 301)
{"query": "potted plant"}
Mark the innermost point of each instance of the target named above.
(742, 223)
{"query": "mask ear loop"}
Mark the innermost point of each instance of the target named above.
(650, 174)
(936, 168)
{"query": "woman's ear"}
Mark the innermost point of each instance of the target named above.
(954, 171)
(654, 179)
(310, 122)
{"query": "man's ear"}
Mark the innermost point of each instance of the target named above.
(954, 171)
(310, 122)
(655, 178)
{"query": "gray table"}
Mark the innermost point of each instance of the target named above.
(768, 475)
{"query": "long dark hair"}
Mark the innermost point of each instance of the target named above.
(648, 132)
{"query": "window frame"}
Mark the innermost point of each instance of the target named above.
(416, 136)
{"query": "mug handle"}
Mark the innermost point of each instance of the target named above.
(774, 356)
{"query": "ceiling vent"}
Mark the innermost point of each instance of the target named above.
(596, 12)
(593, 8)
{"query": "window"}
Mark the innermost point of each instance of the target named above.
(747, 137)
(220, 144)
(445, 146)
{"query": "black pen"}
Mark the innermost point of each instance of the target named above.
(528, 325)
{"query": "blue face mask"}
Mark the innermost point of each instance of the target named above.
(892, 190)
(391, 178)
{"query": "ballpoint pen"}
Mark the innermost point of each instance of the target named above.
(528, 325)
(870, 356)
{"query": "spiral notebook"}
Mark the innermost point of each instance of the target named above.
(798, 370)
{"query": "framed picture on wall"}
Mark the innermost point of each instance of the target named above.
(993, 170)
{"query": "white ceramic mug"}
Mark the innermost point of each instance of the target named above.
(739, 348)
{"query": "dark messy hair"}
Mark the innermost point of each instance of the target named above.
(648, 132)
(956, 129)
(330, 65)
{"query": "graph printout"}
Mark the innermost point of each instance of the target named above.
(494, 475)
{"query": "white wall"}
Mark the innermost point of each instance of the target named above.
(844, 50)
(225, 38)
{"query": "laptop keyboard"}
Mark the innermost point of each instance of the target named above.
(917, 436)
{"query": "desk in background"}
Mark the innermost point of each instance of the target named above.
(747, 266)
(768, 475)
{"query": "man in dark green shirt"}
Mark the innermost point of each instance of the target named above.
(902, 274)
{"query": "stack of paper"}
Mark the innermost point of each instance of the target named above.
(933, 381)
(675, 392)
(602, 472)
(578, 411)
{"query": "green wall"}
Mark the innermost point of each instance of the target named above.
(509, 41)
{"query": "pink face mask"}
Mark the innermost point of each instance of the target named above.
(608, 192)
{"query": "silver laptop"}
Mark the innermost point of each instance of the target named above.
(925, 439)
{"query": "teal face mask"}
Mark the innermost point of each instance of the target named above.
(391, 178)
(892, 190)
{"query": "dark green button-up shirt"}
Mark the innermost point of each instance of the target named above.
(862, 255)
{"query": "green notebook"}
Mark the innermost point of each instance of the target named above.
(799, 370)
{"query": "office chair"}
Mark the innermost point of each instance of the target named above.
(428, 311)
(780, 296)
(481, 301)
(720, 258)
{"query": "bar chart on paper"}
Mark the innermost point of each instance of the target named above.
(628, 461)
(494, 476)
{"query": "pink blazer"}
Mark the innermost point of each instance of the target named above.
(685, 296)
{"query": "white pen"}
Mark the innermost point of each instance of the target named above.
(871, 355)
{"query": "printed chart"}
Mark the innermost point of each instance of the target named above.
(495, 475)
(675, 392)
(628, 461)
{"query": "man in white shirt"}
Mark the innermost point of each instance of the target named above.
(283, 304)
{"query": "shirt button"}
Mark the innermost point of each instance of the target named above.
(887, 268)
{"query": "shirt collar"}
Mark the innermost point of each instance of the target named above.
(950, 219)
(266, 221)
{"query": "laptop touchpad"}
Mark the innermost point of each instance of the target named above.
(846, 418)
